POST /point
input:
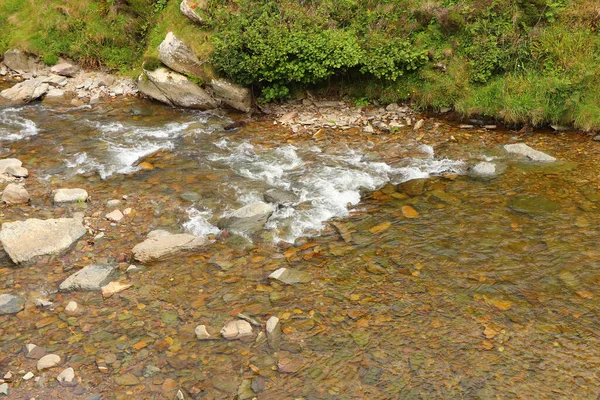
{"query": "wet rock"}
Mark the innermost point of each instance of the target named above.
(67, 378)
(17, 171)
(65, 69)
(115, 216)
(190, 196)
(90, 278)
(162, 244)
(414, 187)
(48, 361)
(43, 303)
(533, 205)
(237, 329)
(127, 380)
(273, 329)
(11, 304)
(524, 150)
(4, 389)
(291, 276)
(31, 350)
(202, 333)
(9, 162)
(25, 92)
(248, 219)
(114, 287)
(177, 56)
(484, 170)
(15, 193)
(175, 89)
(245, 391)
(70, 195)
(279, 196)
(72, 309)
(25, 240)
(289, 365)
(235, 96)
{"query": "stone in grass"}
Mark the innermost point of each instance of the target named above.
(48, 361)
(291, 276)
(524, 150)
(67, 378)
(237, 329)
(11, 304)
(90, 278)
(31, 350)
(70, 195)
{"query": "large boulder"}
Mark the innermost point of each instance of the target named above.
(189, 7)
(248, 219)
(15, 194)
(235, 96)
(26, 91)
(174, 89)
(25, 240)
(161, 244)
(20, 62)
(90, 278)
(177, 56)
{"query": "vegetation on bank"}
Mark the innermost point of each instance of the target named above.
(522, 61)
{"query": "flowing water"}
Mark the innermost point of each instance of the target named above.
(462, 288)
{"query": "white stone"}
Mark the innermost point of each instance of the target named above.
(48, 361)
(113, 203)
(201, 332)
(26, 91)
(115, 216)
(524, 150)
(4, 389)
(65, 69)
(114, 287)
(127, 211)
(17, 172)
(72, 309)
(483, 170)
(238, 329)
(90, 278)
(15, 193)
(8, 162)
(67, 377)
(28, 376)
(70, 195)
(160, 244)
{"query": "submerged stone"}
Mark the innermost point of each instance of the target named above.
(11, 304)
(291, 276)
(90, 278)
(162, 244)
(524, 150)
(533, 205)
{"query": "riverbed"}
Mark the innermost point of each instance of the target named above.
(449, 287)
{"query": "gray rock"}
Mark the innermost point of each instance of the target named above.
(188, 8)
(237, 329)
(115, 216)
(291, 276)
(65, 69)
(161, 244)
(90, 278)
(235, 96)
(9, 162)
(279, 196)
(48, 361)
(25, 240)
(273, 329)
(70, 195)
(20, 62)
(248, 219)
(175, 89)
(67, 378)
(15, 193)
(11, 304)
(524, 150)
(17, 172)
(54, 80)
(177, 56)
(483, 170)
(4, 389)
(25, 92)
(31, 350)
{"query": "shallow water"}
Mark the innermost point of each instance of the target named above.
(472, 289)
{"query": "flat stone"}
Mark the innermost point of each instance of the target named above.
(25, 240)
(90, 278)
(238, 329)
(31, 350)
(67, 378)
(202, 333)
(291, 276)
(15, 193)
(114, 287)
(248, 219)
(524, 150)
(48, 361)
(115, 216)
(17, 172)
(70, 195)
(127, 380)
(160, 244)
(11, 304)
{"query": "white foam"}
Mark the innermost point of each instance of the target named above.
(198, 224)
(14, 126)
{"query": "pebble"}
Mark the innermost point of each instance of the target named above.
(115, 216)
(67, 378)
(72, 309)
(8, 376)
(127, 211)
(43, 303)
(114, 287)
(202, 333)
(28, 376)
(238, 329)
(34, 351)
(48, 361)
(4, 389)
(113, 203)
